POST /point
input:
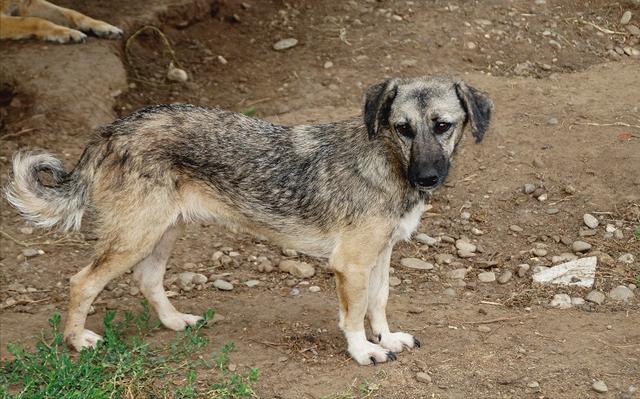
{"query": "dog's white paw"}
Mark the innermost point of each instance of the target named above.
(86, 339)
(103, 29)
(66, 35)
(365, 352)
(179, 321)
(398, 341)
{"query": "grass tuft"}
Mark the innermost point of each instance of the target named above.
(124, 365)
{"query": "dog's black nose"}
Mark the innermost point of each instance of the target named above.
(428, 180)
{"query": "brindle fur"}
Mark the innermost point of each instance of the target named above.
(346, 191)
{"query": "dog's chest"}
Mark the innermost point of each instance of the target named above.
(408, 223)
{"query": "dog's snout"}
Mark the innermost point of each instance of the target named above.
(429, 180)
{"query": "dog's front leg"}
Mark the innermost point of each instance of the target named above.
(352, 262)
(376, 311)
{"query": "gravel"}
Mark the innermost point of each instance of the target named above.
(223, 285)
(590, 221)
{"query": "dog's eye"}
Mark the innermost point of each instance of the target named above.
(405, 130)
(442, 127)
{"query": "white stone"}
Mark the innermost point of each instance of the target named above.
(580, 272)
(600, 387)
(487, 277)
(199, 278)
(223, 285)
(596, 297)
(577, 301)
(626, 258)
(285, 44)
(626, 17)
(176, 74)
(465, 246)
(251, 283)
(580, 246)
(590, 221)
(314, 288)
(609, 228)
(561, 301)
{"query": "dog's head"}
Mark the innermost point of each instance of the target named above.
(423, 119)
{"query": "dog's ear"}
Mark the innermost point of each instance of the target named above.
(377, 106)
(478, 108)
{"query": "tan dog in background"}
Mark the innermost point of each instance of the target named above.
(23, 19)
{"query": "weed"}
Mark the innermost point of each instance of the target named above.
(122, 368)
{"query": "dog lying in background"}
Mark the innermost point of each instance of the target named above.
(346, 191)
(23, 19)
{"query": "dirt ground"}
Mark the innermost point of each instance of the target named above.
(567, 120)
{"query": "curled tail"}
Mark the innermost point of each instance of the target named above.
(46, 205)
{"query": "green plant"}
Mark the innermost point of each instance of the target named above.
(121, 367)
(636, 233)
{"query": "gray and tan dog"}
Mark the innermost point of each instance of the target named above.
(346, 191)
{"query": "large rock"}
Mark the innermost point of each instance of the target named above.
(580, 272)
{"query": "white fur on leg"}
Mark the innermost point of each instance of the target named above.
(397, 341)
(365, 352)
(86, 339)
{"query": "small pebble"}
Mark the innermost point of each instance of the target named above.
(590, 221)
(449, 292)
(394, 281)
(457, 274)
(580, 246)
(223, 285)
(415, 263)
(600, 387)
(328, 65)
(484, 329)
(423, 377)
(596, 297)
(251, 283)
(505, 277)
(176, 74)
(539, 252)
(561, 301)
(523, 269)
(466, 246)
(621, 293)
(222, 60)
(285, 44)
(314, 288)
(465, 215)
(425, 239)
(552, 121)
(626, 17)
(515, 228)
(487, 277)
(528, 188)
(626, 258)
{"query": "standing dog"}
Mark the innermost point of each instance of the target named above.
(22, 19)
(347, 191)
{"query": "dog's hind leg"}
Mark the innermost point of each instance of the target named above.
(127, 240)
(149, 274)
(376, 311)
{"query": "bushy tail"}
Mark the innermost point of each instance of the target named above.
(46, 205)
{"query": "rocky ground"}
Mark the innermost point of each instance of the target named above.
(556, 181)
